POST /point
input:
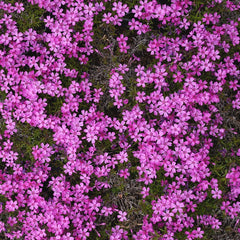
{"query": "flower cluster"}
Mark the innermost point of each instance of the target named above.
(151, 115)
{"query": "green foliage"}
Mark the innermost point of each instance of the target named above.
(54, 104)
(29, 18)
(156, 188)
(26, 138)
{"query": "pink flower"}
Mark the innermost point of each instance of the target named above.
(178, 77)
(185, 24)
(159, 12)
(124, 47)
(145, 191)
(11, 205)
(225, 206)
(107, 17)
(122, 216)
(167, 216)
(124, 173)
(234, 85)
(238, 152)
(19, 7)
(137, 11)
(123, 68)
(216, 193)
(120, 8)
(2, 226)
(106, 211)
(122, 157)
(94, 205)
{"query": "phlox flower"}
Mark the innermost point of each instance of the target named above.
(167, 216)
(145, 191)
(89, 9)
(178, 77)
(83, 59)
(106, 211)
(134, 24)
(107, 17)
(122, 156)
(215, 223)
(94, 205)
(124, 47)
(10, 125)
(120, 8)
(30, 35)
(122, 216)
(118, 103)
(124, 173)
(118, 234)
(140, 97)
(234, 85)
(225, 46)
(141, 82)
(123, 68)
(159, 12)
(137, 11)
(122, 42)
(97, 94)
(184, 24)
(91, 133)
(216, 193)
(19, 7)
(83, 233)
(238, 152)
(236, 103)
(99, 7)
(198, 233)
(11, 206)
(170, 169)
(2, 226)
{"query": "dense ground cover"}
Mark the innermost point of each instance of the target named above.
(119, 119)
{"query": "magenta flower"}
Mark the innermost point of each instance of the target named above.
(124, 173)
(122, 216)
